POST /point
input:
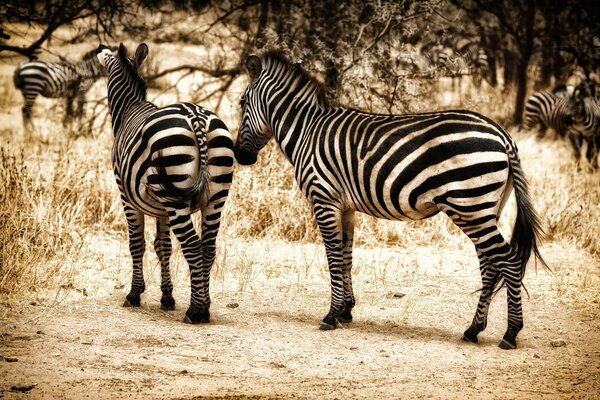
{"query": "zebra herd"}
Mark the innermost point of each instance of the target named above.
(573, 114)
(172, 161)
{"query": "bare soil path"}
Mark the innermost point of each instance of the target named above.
(264, 342)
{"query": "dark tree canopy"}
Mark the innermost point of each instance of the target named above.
(374, 45)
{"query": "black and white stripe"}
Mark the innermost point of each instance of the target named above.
(168, 162)
(400, 167)
(57, 80)
(547, 110)
(584, 108)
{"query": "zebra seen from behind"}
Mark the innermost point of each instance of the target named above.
(168, 162)
(399, 167)
(63, 79)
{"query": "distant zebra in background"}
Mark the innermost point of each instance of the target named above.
(584, 108)
(57, 80)
(168, 162)
(399, 167)
(547, 110)
(468, 59)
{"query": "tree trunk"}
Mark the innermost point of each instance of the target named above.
(523, 64)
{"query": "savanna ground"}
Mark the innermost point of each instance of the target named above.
(66, 268)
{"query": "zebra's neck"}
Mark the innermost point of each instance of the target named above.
(123, 103)
(291, 124)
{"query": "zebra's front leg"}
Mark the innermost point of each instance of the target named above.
(182, 226)
(68, 110)
(137, 247)
(162, 245)
(347, 241)
(80, 102)
(489, 278)
(330, 225)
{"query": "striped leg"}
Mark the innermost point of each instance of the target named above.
(183, 228)
(347, 241)
(329, 220)
(137, 247)
(29, 99)
(211, 221)
(68, 110)
(497, 260)
(162, 245)
(489, 279)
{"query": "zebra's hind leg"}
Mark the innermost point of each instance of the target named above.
(489, 279)
(137, 247)
(182, 226)
(497, 261)
(329, 220)
(162, 245)
(347, 241)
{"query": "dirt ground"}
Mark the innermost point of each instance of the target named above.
(263, 340)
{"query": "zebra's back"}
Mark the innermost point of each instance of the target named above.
(171, 147)
(403, 167)
(50, 79)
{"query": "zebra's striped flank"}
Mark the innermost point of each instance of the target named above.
(400, 167)
(169, 162)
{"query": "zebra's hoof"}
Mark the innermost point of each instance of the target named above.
(132, 300)
(167, 303)
(326, 327)
(345, 317)
(194, 315)
(329, 323)
(470, 336)
(506, 344)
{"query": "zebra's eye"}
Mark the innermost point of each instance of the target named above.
(242, 102)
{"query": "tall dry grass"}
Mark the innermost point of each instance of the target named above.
(57, 191)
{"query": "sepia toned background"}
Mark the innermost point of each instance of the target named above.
(64, 258)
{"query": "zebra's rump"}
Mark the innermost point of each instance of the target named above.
(405, 167)
(170, 160)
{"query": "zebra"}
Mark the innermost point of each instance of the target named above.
(56, 80)
(398, 167)
(168, 162)
(547, 110)
(584, 108)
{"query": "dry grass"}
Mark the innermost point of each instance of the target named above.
(58, 201)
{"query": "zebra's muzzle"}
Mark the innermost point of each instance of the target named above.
(244, 157)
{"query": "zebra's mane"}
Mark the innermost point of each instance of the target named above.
(304, 77)
(130, 69)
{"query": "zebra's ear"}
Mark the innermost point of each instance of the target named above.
(254, 67)
(140, 55)
(102, 52)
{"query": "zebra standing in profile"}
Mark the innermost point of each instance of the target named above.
(56, 80)
(168, 162)
(400, 167)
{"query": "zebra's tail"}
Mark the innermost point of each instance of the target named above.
(527, 230)
(162, 185)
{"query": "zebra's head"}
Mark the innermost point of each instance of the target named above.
(254, 132)
(125, 84)
(582, 94)
(116, 64)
